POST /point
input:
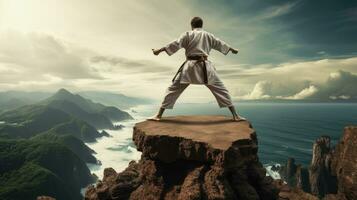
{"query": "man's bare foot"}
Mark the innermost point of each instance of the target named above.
(239, 118)
(154, 118)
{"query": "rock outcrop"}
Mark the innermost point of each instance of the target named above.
(190, 157)
(321, 179)
(332, 174)
(288, 193)
(344, 164)
(295, 175)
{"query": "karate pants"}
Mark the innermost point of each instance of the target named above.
(176, 88)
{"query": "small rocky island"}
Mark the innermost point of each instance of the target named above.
(190, 157)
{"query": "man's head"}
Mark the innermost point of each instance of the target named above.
(196, 22)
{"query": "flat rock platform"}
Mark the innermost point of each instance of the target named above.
(196, 136)
(217, 130)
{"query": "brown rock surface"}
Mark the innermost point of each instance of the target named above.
(190, 157)
(288, 193)
(196, 138)
(321, 179)
(220, 132)
(344, 163)
(332, 173)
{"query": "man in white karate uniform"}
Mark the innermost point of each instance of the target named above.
(197, 69)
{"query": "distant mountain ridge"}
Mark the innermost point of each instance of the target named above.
(85, 104)
(32, 120)
(62, 113)
(14, 99)
(95, 119)
(115, 99)
(96, 114)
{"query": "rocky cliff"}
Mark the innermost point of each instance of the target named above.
(332, 174)
(321, 176)
(344, 164)
(190, 157)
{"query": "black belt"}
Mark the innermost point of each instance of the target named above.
(197, 59)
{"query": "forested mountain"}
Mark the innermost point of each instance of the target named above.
(42, 149)
(31, 120)
(30, 168)
(71, 142)
(96, 114)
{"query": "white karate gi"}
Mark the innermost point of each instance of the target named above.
(197, 43)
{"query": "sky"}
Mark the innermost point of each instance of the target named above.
(288, 49)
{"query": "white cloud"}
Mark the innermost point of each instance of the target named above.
(259, 91)
(303, 94)
(345, 97)
(340, 85)
(38, 54)
(44, 62)
(287, 79)
(335, 75)
(276, 11)
(266, 90)
(314, 71)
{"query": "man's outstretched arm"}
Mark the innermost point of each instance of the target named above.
(221, 46)
(158, 51)
(173, 46)
(234, 51)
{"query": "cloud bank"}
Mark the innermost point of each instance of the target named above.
(340, 85)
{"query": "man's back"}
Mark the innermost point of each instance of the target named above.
(197, 42)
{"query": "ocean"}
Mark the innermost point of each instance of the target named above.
(284, 130)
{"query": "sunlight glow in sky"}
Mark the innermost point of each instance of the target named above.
(289, 49)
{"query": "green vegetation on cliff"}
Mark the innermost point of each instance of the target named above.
(96, 114)
(31, 120)
(42, 150)
(71, 142)
(29, 168)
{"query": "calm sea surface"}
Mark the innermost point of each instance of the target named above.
(284, 129)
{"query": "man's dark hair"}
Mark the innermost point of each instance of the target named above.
(196, 22)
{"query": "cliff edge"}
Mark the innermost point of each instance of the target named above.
(331, 174)
(190, 157)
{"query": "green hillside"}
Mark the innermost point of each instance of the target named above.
(88, 106)
(31, 120)
(28, 121)
(71, 142)
(76, 128)
(29, 168)
(96, 114)
(95, 119)
(42, 149)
